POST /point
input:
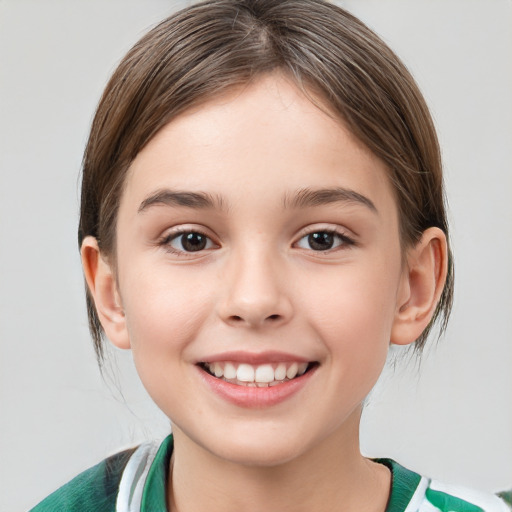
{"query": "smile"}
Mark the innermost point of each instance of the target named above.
(261, 376)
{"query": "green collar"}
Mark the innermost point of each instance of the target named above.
(403, 485)
(154, 494)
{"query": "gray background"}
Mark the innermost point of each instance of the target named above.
(451, 418)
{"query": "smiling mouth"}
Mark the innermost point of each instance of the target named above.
(261, 376)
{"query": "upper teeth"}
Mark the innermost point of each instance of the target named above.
(258, 374)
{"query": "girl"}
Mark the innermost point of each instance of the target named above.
(262, 214)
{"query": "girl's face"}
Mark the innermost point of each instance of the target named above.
(258, 240)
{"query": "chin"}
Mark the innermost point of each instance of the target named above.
(254, 447)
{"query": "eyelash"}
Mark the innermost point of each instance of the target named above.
(168, 239)
(344, 240)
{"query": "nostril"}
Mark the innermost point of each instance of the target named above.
(237, 319)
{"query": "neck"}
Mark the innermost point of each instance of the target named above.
(333, 476)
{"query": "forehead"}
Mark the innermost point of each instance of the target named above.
(267, 137)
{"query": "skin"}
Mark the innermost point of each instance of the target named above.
(260, 286)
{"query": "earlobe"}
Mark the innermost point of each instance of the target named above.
(421, 286)
(101, 280)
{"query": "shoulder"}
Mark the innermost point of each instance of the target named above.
(135, 479)
(93, 490)
(447, 497)
(412, 492)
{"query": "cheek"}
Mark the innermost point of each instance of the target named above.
(163, 309)
(353, 312)
(164, 315)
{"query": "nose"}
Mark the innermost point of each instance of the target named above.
(255, 292)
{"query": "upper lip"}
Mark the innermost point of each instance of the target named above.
(254, 357)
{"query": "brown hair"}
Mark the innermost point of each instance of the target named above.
(208, 47)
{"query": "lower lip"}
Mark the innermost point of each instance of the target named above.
(254, 397)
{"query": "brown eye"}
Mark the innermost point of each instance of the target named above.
(321, 241)
(324, 241)
(191, 241)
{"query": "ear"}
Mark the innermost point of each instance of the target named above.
(421, 286)
(101, 280)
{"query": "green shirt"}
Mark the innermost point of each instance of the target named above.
(136, 480)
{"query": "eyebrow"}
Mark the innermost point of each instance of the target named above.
(303, 198)
(307, 197)
(197, 200)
